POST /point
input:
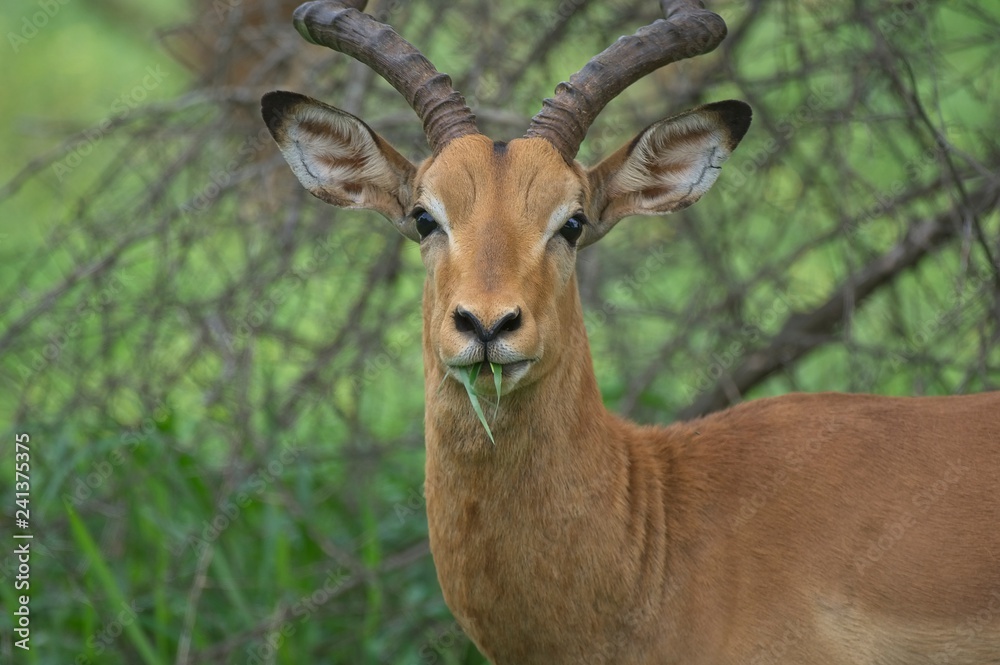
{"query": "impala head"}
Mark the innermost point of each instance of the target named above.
(500, 224)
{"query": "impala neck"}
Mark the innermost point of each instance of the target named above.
(559, 491)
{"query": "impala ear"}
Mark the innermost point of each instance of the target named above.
(668, 166)
(340, 159)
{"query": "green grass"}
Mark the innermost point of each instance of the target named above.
(159, 480)
(468, 375)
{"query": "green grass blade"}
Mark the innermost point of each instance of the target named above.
(371, 555)
(497, 378)
(440, 385)
(468, 378)
(110, 585)
(229, 584)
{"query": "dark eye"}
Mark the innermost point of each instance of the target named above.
(573, 227)
(425, 223)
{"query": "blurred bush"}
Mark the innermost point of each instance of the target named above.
(221, 375)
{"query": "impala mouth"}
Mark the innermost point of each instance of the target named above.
(509, 372)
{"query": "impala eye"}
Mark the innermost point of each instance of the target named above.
(572, 229)
(425, 223)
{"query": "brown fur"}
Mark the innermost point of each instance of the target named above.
(812, 529)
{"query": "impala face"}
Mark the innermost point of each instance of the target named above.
(499, 225)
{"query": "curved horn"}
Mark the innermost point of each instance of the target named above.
(341, 26)
(687, 30)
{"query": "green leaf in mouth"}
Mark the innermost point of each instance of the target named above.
(497, 378)
(469, 374)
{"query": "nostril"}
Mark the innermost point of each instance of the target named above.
(466, 322)
(510, 322)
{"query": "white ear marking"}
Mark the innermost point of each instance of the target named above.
(668, 166)
(339, 159)
(325, 148)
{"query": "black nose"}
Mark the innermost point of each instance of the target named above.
(467, 322)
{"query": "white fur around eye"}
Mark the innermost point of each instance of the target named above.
(558, 218)
(433, 205)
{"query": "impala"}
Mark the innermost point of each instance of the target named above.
(814, 529)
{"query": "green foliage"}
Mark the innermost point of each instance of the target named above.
(469, 375)
(222, 377)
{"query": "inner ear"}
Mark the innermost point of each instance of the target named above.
(668, 166)
(340, 159)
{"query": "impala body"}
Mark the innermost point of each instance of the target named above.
(811, 529)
